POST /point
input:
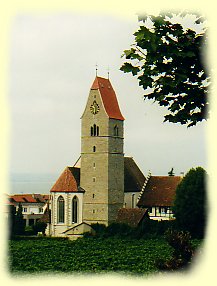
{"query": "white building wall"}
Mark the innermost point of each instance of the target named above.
(58, 228)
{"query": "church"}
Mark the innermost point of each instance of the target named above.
(103, 180)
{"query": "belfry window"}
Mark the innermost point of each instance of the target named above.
(94, 130)
(115, 130)
(60, 210)
(75, 210)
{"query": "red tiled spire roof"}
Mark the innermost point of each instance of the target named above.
(109, 98)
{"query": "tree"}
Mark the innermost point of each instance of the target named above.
(11, 220)
(40, 226)
(19, 227)
(190, 204)
(168, 62)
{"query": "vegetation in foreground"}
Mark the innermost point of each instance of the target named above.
(87, 255)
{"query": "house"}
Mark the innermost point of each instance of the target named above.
(33, 206)
(158, 196)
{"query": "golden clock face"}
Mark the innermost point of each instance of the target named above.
(94, 108)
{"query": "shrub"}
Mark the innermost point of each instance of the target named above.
(39, 227)
(29, 230)
(119, 229)
(182, 251)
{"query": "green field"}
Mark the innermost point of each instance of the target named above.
(89, 255)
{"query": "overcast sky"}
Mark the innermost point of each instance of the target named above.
(52, 67)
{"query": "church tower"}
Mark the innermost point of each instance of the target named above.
(102, 157)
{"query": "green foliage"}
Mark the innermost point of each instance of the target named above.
(99, 228)
(89, 255)
(39, 227)
(190, 205)
(29, 230)
(168, 62)
(47, 255)
(11, 220)
(149, 229)
(182, 251)
(19, 223)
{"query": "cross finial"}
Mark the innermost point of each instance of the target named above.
(108, 72)
(96, 69)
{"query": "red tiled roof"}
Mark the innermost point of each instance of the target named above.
(29, 198)
(109, 98)
(68, 181)
(131, 216)
(159, 191)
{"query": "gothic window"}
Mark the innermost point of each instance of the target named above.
(60, 210)
(115, 130)
(94, 148)
(94, 130)
(133, 200)
(75, 210)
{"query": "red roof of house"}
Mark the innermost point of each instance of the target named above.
(29, 198)
(109, 98)
(68, 181)
(159, 191)
(131, 216)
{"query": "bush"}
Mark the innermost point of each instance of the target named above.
(119, 229)
(182, 251)
(99, 228)
(153, 228)
(29, 230)
(39, 227)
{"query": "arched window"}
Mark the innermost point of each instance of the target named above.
(133, 200)
(115, 130)
(60, 210)
(94, 130)
(94, 148)
(75, 210)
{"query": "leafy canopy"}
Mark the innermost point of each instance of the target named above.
(168, 62)
(190, 205)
